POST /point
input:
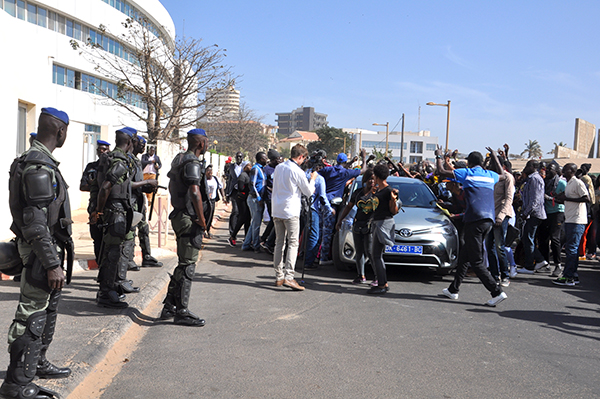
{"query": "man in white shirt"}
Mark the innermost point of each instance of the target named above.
(289, 184)
(575, 198)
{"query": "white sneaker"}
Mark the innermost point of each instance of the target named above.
(539, 265)
(513, 271)
(522, 270)
(450, 295)
(497, 299)
(505, 282)
(558, 269)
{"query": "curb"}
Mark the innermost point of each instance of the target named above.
(83, 361)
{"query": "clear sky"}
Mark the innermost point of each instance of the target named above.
(513, 70)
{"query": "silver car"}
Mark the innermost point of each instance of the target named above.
(425, 236)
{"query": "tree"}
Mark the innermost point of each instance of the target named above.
(243, 133)
(331, 140)
(532, 149)
(561, 144)
(158, 80)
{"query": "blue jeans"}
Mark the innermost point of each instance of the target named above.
(328, 227)
(532, 254)
(573, 232)
(252, 239)
(498, 263)
(312, 238)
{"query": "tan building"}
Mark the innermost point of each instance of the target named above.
(297, 137)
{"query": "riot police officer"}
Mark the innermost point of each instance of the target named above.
(187, 187)
(89, 183)
(116, 212)
(39, 204)
(138, 201)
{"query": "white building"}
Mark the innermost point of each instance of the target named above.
(417, 146)
(40, 69)
(222, 104)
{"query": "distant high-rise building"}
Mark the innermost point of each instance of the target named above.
(222, 103)
(303, 118)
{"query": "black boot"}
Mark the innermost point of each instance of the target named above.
(126, 287)
(46, 370)
(150, 261)
(184, 317)
(111, 299)
(169, 309)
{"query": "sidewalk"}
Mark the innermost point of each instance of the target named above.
(85, 333)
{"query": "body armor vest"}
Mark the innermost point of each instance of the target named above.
(180, 198)
(58, 211)
(119, 192)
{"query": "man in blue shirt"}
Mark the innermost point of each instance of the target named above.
(478, 184)
(256, 203)
(336, 178)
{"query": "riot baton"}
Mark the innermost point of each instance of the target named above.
(153, 198)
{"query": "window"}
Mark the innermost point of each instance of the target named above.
(415, 159)
(31, 13)
(21, 9)
(52, 21)
(416, 147)
(430, 147)
(58, 75)
(62, 24)
(77, 31)
(9, 7)
(69, 27)
(70, 78)
(92, 128)
(41, 17)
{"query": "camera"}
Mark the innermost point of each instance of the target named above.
(315, 161)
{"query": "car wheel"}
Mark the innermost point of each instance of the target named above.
(337, 261)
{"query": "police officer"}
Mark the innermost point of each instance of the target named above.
(188, 197)
(138, 200)
(89, 183)
(116, 211)
(39, 204)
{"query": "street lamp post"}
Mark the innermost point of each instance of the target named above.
(387, 134)
(447, 120)
(402, 142)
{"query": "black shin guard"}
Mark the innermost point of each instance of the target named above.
(25, 351)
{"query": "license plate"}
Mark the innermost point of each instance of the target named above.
(404, 249)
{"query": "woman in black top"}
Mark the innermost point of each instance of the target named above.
(361, 226)
(385, 206)
(243, 191)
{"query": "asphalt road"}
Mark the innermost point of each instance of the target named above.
(333, 341)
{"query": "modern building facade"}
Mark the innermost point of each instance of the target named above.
(41, 69)
(417, 146)
(303, 119)
(222, 104)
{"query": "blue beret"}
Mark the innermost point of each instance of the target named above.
(341, 158)
(102, 142)
(197, 132)
(60, 115)
(33, 134)
(128, 131)
(141, 139)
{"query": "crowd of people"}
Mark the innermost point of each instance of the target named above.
(549, 208)
(502, 216)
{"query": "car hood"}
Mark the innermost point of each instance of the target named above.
(420, 218)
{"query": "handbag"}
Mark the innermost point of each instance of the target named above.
(512, 233)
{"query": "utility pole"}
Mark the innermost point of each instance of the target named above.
(402, 140)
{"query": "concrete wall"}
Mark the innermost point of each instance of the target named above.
(585, 138)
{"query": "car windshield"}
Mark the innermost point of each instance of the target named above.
(414, 193)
